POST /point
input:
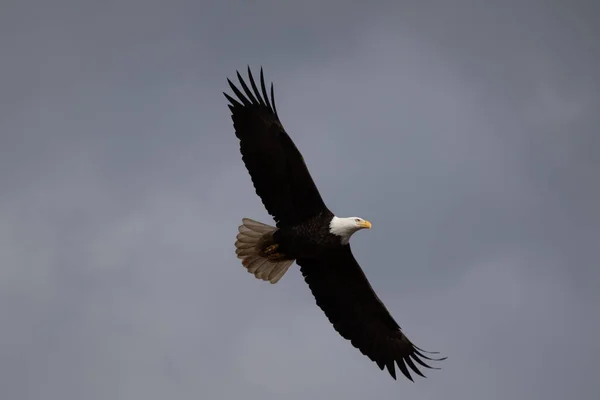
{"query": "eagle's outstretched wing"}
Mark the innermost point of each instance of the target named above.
(277, 169)
(343, 292)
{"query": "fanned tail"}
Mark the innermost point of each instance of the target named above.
(253, 246)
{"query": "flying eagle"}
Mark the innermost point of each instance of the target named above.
(309, 233)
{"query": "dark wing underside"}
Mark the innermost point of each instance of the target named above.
(343, 292)
(277, 169)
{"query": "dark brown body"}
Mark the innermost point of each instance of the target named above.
(309, 239)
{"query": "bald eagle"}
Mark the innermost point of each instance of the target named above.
(307, 232)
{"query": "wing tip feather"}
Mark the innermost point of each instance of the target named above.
(253, 97)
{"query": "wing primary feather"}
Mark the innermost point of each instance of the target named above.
(390, 367)
(425, 351)
(273, 100)
(239, 94)
(234, 102)
(417, 359)
(246, 89)
(258, 96)
(403, 368)
(428, 358)
(264, 90)
(413, 367)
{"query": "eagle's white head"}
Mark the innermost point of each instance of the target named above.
(345, 227)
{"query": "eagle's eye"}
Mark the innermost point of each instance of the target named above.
(356, 219)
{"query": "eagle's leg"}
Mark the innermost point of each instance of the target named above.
(272, 254)
(271, 249)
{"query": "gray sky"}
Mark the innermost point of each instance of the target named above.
(467, 132)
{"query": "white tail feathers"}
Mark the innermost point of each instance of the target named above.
(254, 236)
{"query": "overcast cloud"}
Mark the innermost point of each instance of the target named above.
(466, 131)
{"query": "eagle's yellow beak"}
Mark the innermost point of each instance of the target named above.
(365, 224)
